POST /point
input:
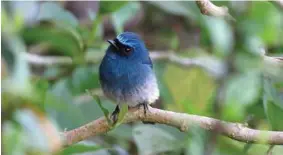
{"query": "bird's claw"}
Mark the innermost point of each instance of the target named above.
(114, 118)
(145, 107)
(115, 114)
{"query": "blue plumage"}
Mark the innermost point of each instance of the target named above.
(126, 73)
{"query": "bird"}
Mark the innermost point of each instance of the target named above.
(126, 74)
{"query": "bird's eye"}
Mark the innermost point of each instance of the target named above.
(128, 50)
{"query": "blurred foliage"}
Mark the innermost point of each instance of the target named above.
(38, 101)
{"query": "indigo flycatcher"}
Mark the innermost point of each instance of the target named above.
(126, 73)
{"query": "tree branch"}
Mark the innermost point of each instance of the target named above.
(209, 9)
(214, 66)
(182, 121)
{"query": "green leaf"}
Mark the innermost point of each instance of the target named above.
(84, 77)
(274, 93)
(267, 25)
(41, 85)
(80, 148)
(52, 71)
(96, 30)
(40, 89)
(122, 114)
(104, 110)
(125, 13)
(74, 33)
(12, 139)
(52, 11)
(106, 7)
(122, 132)
(61, 39)
(243, 89)
(59, 104)
(186, 92)
(181, 8)
(221, 34)
(273, 69)
(273, 113)
(13, 52)
(160, 70)
(153, 140)
(273, 104)
(233, 112)
(246, 62)
(197, 140)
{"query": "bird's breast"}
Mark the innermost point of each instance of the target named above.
(130, 83)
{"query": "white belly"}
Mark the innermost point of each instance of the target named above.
(147, 92)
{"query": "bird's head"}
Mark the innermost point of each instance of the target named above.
(128, 45)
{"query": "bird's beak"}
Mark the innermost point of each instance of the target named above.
(112, 42)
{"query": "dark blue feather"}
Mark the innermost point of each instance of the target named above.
(128, 77)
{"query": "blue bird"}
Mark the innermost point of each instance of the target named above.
(126, 73)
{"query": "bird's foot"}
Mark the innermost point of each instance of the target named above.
(145, 108)
(115, 114)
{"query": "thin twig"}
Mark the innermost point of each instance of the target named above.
(182, 121)
(209, 9)
(211, 64)
(214, 66)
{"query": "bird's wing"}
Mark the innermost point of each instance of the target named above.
(148, 62)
